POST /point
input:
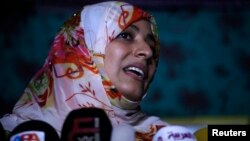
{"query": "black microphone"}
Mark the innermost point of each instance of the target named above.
(34, 130)
(2, 133)
(87, 124)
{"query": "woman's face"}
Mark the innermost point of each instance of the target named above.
(129, 60)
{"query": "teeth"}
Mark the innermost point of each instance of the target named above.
(137, 70)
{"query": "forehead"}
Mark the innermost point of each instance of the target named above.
(141, 25)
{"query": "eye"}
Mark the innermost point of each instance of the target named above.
(124, 35)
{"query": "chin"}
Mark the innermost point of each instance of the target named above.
(132, 93)
(133, 98)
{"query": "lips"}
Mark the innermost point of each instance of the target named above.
(136, 71)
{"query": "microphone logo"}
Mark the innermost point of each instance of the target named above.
(29, 136)
(86, 124)
(85, 129)
(174, 133)
(180, 135)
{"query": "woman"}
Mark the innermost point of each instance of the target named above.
(105, 57)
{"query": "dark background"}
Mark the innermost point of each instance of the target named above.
(204, 68)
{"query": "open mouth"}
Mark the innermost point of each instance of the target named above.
(136, 71)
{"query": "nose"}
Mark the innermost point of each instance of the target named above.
(143, 50)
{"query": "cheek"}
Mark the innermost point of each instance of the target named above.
(109, 55)
(114, 52)
(112, 57)
(152, 72)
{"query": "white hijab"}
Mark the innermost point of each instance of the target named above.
(73, 75)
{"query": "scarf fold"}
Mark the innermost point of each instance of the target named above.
(73, 75)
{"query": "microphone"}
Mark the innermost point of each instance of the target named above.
(2, 133)
(87, 124)
(123, 132)
(34, 130)
(174, 133)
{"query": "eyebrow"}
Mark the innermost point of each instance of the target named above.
(134, 27)
(149, 36)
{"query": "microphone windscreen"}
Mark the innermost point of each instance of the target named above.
(201, 134)
(174, 133)
(123, 132)
(35, 130)
(87, 124)
(2, 133)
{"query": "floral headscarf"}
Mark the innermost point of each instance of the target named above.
(73, 75)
